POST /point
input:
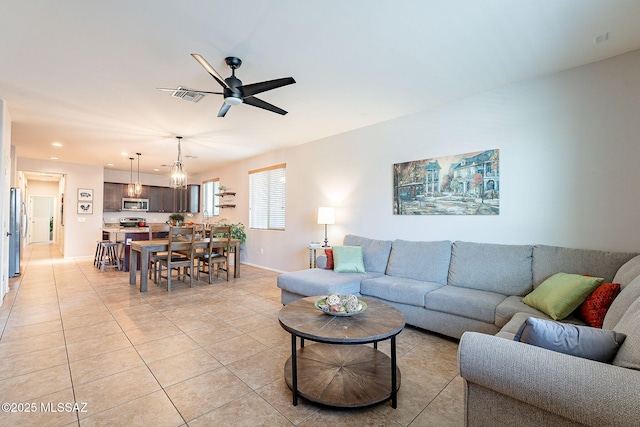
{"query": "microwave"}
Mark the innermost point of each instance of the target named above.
(139, 205)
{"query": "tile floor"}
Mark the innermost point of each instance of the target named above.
(202, 356)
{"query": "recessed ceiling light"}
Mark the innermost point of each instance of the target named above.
(123, 154)
(56, 144)
(156, 170)
(110, 164)
(53, 158)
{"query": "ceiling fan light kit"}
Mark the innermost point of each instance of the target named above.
(234, 92)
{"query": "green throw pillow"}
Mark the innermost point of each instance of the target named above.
(348, 259)
(562, 293)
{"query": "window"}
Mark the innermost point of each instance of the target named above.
(267, 197)
(209, 198)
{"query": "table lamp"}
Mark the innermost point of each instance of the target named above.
(326, 216)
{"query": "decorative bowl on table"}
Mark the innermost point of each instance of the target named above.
(341, 305)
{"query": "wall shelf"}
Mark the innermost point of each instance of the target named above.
(228, 203)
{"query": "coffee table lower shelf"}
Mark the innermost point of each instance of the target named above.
(348, 376)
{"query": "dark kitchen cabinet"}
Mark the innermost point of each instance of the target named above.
(161, 199)
(187, 200)
(112, 197)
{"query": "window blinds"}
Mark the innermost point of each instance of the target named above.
(267, 198)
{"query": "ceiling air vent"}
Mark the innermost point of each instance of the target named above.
(187, 94)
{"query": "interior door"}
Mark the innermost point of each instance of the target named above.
(41, 217)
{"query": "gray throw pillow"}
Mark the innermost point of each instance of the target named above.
(582, 341)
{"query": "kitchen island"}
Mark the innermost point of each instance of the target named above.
(125, 235)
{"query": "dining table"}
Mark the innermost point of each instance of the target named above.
(146, 247)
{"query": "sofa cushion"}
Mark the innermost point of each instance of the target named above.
(427, 261)
(348, 259)
(595, 307)
(504, 269)
(329, 257)
(398, 289)
(316, 281)
(549, 260)
(561, 293)
(512, 305)
(621, 304)
(470, 303)
(581, 341)
(629, 354)
(375, 253)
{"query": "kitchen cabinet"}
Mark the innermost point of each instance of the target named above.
(161, 199)
(187, 200)
(112, 197)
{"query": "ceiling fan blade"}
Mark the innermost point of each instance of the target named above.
(252, 100)
(255, 88)
(223, 110)
(204, 92)
(210, 70)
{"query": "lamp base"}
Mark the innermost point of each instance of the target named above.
(326, 241)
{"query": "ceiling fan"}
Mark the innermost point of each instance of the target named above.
(234, 92)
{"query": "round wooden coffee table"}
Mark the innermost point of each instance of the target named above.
(335, 370)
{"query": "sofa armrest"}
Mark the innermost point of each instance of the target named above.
(582, 390)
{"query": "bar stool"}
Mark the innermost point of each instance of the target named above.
(98, 254)
(109, 255)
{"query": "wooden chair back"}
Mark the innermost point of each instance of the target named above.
(181, 242)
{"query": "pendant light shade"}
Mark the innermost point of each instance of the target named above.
(178, 173)
(131, 188)
(138, 185)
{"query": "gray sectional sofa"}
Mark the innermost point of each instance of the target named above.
(474, 291)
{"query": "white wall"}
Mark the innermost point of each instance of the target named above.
(80, 231)
(569, 151)
(6, 173)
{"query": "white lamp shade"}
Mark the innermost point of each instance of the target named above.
(326, 215)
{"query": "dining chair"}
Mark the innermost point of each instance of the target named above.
(156, 232)
(179, 255)
(214, 255)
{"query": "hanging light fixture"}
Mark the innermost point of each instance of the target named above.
(178, 174)
(131, 188)
(138, 184)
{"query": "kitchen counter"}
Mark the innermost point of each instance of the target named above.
(118, 229)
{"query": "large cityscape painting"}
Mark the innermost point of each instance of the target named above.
(463, 184)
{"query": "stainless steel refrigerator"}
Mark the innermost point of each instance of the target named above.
(16, 230)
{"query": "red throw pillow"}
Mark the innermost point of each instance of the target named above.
(595, 307)
(329, 254)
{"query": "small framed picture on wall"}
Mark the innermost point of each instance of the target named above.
(85, 208)
(85, 194)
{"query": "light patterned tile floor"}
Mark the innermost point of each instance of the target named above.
(80, 347)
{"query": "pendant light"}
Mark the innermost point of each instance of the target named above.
(178, 174)
(131, 188)
(138, 184)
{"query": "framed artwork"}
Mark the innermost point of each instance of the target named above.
(461, 184)
(85, 208)
(85, 194)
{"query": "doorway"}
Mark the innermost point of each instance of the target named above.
(42, 221)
